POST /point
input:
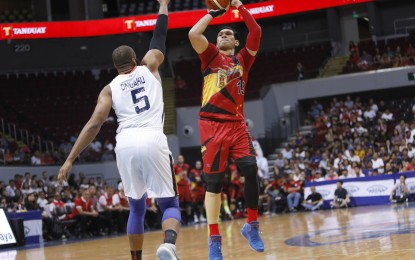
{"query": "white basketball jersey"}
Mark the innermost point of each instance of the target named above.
(137, 99)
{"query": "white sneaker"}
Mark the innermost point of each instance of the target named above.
(202, 218)
(167, 251)
(195, 219)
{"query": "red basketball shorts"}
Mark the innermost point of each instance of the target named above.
(221, 140)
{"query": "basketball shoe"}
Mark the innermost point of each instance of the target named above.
(251, 233)
(215, 248)
(167, 251)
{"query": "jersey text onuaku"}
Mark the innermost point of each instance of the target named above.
(137, 99)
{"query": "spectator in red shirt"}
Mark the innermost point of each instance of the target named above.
(106, 210)
(198, 193)
(180, 83)
(120, 202)
(18, 181)
(293, 188)
(185, 196)
(85, 214)
(276, 195)
(181, 165)
(47, 158)
(57, 207)
(410, 166)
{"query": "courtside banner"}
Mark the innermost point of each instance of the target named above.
(410, 181)
(185, 19)
(371, 190)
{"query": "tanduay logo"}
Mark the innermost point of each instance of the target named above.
(10, 31)
(411, 186)
(134, 24)
(377, 189)
(255, 10)
(26, 230)
(351, 188)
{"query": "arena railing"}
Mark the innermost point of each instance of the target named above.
(401, 26)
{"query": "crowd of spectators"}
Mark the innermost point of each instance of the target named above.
(379, 58)
(82, 207)
(13, 153)
(350, 139)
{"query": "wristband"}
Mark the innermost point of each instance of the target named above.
(216, 13)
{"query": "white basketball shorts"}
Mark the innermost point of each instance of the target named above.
(145, 163)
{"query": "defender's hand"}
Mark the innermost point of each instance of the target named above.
(63, 172)
(236, 3)
(166, 2)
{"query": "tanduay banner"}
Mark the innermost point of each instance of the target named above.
(184, 19)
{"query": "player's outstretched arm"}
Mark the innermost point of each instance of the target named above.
(254, 36)
(155, 56)
(89, 132)
(196, 37)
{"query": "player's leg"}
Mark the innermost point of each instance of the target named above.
(135, 226)
(251, 229)
(170, 225)
(242, 151)
(161, 184)
(213, 205)
(214, 155)
(131, 172)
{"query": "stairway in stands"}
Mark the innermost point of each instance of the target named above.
(169, 106)
(334, 67)
(304, 131)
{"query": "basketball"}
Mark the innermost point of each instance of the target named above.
(217, 4)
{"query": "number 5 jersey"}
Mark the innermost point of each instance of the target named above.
(137, 98)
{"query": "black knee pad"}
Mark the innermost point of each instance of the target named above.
(249, 171)
(214, 181)
(251, 189)
(247, 166)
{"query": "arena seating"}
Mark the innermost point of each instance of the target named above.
(134, 7)
(53, 105)
(369, 46)
(343, 125)
(15, 16)
(270, 67)
(126, 8)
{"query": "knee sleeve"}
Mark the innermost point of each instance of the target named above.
(135, 224)
(251, 190)
(170, 208)
(214, 182)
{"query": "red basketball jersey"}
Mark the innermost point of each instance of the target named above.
(224, 83)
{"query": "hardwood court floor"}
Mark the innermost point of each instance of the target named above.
(377, 232)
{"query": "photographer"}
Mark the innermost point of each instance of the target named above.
(341, 198)
(400, 192)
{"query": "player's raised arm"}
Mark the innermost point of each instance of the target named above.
(254, 36)
(155, 56)
(196, 37)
